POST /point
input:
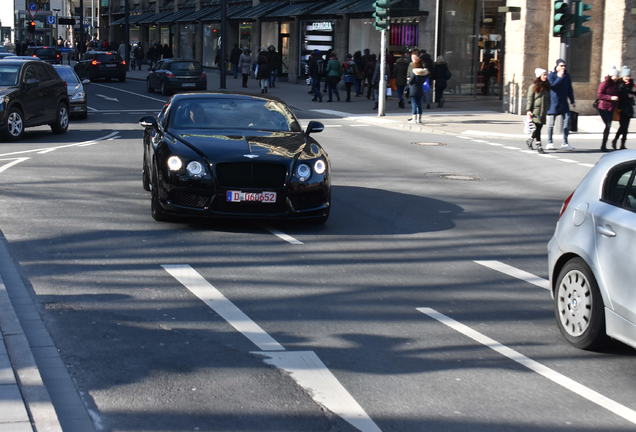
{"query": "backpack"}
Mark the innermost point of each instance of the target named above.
(321, 68)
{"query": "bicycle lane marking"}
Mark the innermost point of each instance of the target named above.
(304, 367)
(552, 375)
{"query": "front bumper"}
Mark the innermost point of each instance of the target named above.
(78, 107)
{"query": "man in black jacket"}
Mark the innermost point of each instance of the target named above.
(235, 55)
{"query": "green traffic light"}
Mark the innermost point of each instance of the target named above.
(580, 18)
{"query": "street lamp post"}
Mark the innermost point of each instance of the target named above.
(222, 83)
(57, 25)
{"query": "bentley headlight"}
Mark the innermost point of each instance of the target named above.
(303, 172)
(320, 166)
(174, 163)
(195, 169)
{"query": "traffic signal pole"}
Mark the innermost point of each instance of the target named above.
(382, 89)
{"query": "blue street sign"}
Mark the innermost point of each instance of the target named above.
(50, 19)
(33, 7)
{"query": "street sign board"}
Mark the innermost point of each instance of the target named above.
(66, 21)
(50, 19)
(32, 9)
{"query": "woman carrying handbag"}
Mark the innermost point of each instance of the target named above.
(607, 96)
(537, 106)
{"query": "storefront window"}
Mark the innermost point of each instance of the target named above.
(317, 35)
(404, 35)
(165, 36)
(362, 35)
(153, 35)
(211, 35)
(269, 34)
(245, 35)
(186, 41)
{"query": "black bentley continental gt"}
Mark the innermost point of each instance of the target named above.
(233, 156)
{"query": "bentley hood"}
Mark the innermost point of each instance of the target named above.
(258, 144)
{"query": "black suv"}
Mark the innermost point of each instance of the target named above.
(48, 54)
(101, 64)
(31, 94)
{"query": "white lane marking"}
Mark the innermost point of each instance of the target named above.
(568, 160)
(547, 156)
(359, 125)
(494, 144)
(529, 151)
(511, 148)
(516, 273)
(589, 165)
(481, 141)
(10, 164)
(129, 92)
(46, 150)
(142, 110)
(97, 142)
(91, 109)
(305, 367)
(463, 137)
(554, 376)
(281, 235)
(107, 97)
(333, 126)
(212, 297)
(311, 373)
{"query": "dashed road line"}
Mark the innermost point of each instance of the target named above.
(554, 376)
(304, 367)
(130, 92)
(50, 149)
(281, 235)
(516, 273)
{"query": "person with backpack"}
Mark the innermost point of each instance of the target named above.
(399, 72)
(334, 71)
(350, 71)
(316, 71)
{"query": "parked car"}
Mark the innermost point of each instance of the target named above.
(233, 156)
(48, 54)
(174, 75)
(101, 65)
(32, 94)
(78, 99)
(592, 264)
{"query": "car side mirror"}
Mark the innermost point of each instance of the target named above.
(148, 122)
(31, 82)
(314, 127)
(86, 81)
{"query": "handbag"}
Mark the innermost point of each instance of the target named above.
(393, 84)
(616, 115)
(595, 104)
(528, 125)
(389, 92)
(573, 125)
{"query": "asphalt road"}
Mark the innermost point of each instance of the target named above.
(398, 295)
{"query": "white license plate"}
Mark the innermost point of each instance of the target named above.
(111, 65)
(240, 196)
(188, 84)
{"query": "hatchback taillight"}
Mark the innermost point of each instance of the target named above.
(123, 62)
(565, 204)
(169, 75)
(95, 62)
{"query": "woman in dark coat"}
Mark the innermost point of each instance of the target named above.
(416, 91)
(264, 70)
(626, 96)
(607, 96)
(537, 106)
(441, 75)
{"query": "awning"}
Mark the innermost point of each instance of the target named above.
(132, 19)
(297, 9)
(229, 13)
(196, 15)
(260, 10)
(169, 19)
(338, 8)
(152, 19)
(362, 6)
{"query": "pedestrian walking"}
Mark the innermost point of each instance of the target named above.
(264, 70)
(626, 97)
(334, 72)
(607, 96)
(166, 51)
(369, 70)
(399, 73)
(375, 85)
(441, 75)
(275, 63)
(235, 57)
(357, 59)
(537, 106)
(316, 71)
(416, 82)
(560, 93)
(350, 70)
(245, 66)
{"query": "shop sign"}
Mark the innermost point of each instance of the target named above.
(321, 26)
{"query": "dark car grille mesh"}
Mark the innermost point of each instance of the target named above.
(188, 199)
(251, 175)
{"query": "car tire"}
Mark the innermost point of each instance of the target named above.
(156, 211)
(14, 129)
(578, 306)
(145, 177)
(149, 87)
(60, 125)
(164, 89)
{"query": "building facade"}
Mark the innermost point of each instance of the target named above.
(492, 46)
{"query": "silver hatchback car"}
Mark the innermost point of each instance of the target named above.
(592, 256)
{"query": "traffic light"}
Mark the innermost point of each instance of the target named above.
(580, 19)
(31, 25)
(381, 14)
(561, 19)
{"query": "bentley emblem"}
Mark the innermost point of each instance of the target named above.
(250, 156)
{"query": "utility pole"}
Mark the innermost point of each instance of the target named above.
(382, 89)
(222, 83)
(127, 32)
(82, 44)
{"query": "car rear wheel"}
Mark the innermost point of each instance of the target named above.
(164, 89)
(60, 125)
(14, 128)
(578, 306)
(157, 212)
(122, 78)
(149, 87)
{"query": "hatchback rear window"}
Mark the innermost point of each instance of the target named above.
(107, 58)
(185, 66)
(44, 52)
(67, 75)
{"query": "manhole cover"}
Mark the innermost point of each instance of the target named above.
(429, 144)
(459, 177)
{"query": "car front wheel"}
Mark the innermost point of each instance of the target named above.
(156, 211)
(578, 306)
(164, 89)
(14, 128)
(60, 125)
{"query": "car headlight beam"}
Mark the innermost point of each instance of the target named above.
(320, 166)
(195, 169)
(174, 163)
(303, 172)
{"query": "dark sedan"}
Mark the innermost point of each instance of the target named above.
(175, 75)
(48, 54)
(233, 156)
(101, 65)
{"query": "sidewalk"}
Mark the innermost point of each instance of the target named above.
(461, 115)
